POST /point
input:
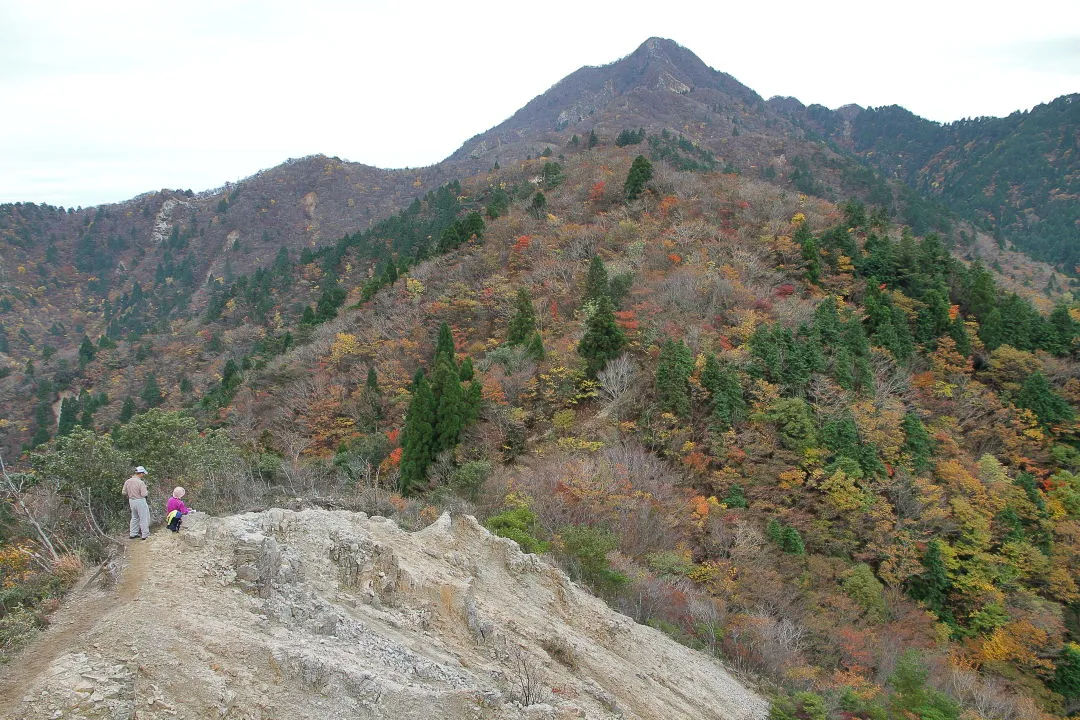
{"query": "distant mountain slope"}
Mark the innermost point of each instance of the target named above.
(1017, 176)
(137, 270)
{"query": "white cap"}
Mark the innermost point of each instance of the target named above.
(140, 469)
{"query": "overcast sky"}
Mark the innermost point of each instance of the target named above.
(101, 101)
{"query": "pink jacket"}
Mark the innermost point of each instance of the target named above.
(176, 504)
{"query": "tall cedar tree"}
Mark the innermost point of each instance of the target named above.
(640, 173)
(69, 410)
(721, 381)
(536, 348)
(523, 324)
(445, 344)
(596, 281)
(418, 438)
(450, 409)
(603, 340)
(673, 377)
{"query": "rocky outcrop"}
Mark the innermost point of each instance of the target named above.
(337, 615)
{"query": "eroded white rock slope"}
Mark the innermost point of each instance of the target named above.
(327, 614)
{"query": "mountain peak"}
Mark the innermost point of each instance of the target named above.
(656, 87)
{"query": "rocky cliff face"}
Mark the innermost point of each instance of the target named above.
(327, 614)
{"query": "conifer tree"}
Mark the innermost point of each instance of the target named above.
(445, 345)
(596, 280)
(450, 407)
(641, 172)
(523, 324)
(810, 253)
(466, 372)
(791, 541)
(474, 398)
(370, 404)
(1037, 395)
(603, 340)
(932, 586)
(127, 410)
(538, 204)
(536, 348)
(673, 377)
(721, 381)
(1066, 680)
(418, 438)
(86, 351)
(151, 393)
(917, 443)
(69, 410)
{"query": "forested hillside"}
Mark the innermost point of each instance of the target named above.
(722, 372)
(784, 431)
(1016, 177)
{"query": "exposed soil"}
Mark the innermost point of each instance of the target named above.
(323, 614)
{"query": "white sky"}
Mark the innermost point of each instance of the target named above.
(101, 101)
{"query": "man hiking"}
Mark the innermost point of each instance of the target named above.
(135, 491)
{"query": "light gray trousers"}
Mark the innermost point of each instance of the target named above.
(140, 517)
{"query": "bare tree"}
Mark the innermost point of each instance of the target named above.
(616, 380)
(16, 491)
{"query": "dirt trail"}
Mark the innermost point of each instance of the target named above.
(81, 612)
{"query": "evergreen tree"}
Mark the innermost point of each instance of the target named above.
(736, 497)
(596, 280)
(151, 394)
(602, 341)
(641, 172)
(444, 345)
(86, 351)
(1066, 680)
(933, 317)
(474, 399)
(593, 140)
(4, 346)
(1037, 395)
(523, 323)
(810, 254)
(932, 586)
(1062, 331)
(774, 531)
(917, 443)
(721, 381)
(369, 405)
(538, 204)
(450, 407)
(536, 348)
(466, 372)
(673, 377)
(791, 541)
(69, 410)
(911, 697)
(390, 273)
(827, 325)
(958, 332)
(418, 438)
(980, 291)
(127, 410)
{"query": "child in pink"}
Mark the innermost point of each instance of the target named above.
(175, 509)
